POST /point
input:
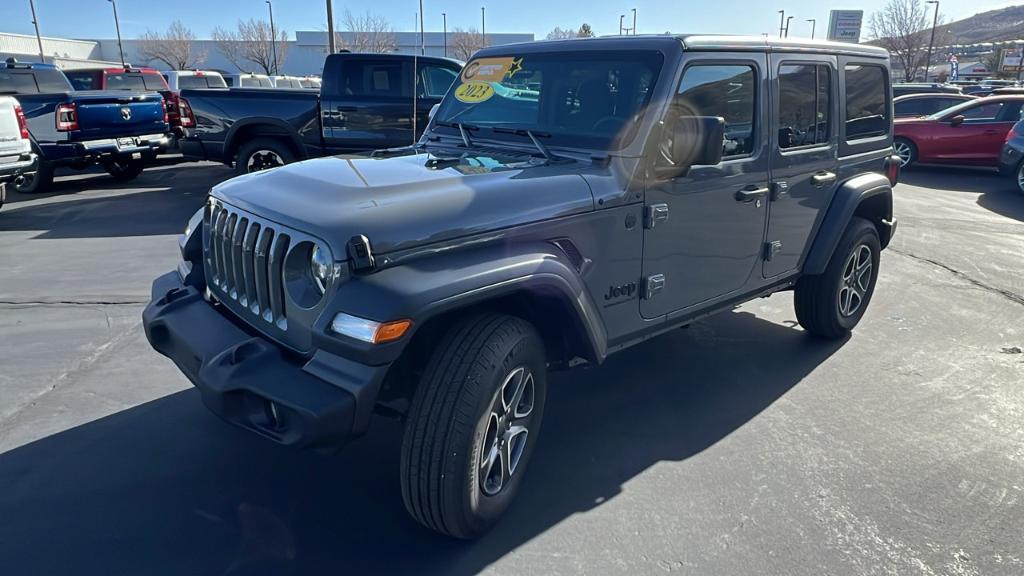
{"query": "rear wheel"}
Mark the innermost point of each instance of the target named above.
(263, 154)
(831, 304)
(473, 424)
(907, 152)
(39, 181)
(124, 169)
(1020, 177)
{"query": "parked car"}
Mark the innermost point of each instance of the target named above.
(631, 191)
(1012, 90)
(16, 156)
(287, 82)
(971, 133)
(311, 82)
(366, 103)
(136, 79)
(178, 80)
(917, 105)
(77, 129)
(248, 80)
(1011, 161)
(904, 89)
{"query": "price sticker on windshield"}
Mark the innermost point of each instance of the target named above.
(474, 92)
(487, 69)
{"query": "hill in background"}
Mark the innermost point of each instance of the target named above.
(992, 26)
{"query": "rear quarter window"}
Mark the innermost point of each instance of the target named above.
(867, 101)
(17, 83)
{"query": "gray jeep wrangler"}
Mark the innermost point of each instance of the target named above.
(568, 200)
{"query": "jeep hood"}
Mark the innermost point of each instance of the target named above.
(407, 201)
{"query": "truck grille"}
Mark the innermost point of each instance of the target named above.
(245, 259)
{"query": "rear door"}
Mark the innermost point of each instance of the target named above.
(804, 155)
(366, 103)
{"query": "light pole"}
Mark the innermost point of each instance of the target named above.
(331, 43)
(273, 34)
(444, 26)
(35, 22)
(423, 42)
(788, 18)
(621, 16)
(634, 21)
(814, 26)
(782, 22)
(931, 43)
(117, 25)
(1020, 63)
(483, 26)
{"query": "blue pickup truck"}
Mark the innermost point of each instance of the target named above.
(118, 130)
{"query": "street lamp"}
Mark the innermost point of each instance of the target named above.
(788, 18)
(273, 34)
(444, 19)
(423, 42)
(483, 26)
(331, 43)
(35, 22)
(782, 22)
(931, 43)
(621, 16)
(814, 26)
(117, 25)
(634, 21)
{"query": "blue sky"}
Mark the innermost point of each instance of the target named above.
(92, 18)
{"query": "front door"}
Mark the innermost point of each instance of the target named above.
(804, 155)
(703, 239)
(980, 139)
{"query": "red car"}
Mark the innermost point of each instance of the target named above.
(971, 133)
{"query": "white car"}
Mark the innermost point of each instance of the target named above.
(16, 156)
(287, 82)
(311, 82)
(178, 80)
(248, 80)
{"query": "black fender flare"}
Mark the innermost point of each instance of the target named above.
(286, 131)
(850, 196)
(427, 287)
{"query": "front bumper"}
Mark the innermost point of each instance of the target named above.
(319, 402)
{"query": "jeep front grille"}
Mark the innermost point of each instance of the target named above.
(245, 256)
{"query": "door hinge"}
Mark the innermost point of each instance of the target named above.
(653, 214)
(653, 285)
(771, 249)
(779, 189)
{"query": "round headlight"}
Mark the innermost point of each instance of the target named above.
(320, 268)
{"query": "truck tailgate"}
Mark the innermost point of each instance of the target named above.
(113, 114)
(11, 143)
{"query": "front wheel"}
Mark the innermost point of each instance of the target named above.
(831, 304)
(124, 169)
(473, 424)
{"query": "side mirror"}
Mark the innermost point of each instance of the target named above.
(433, 110)
(696, 141)
(956, 120)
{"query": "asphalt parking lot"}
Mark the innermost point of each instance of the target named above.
(737, 446)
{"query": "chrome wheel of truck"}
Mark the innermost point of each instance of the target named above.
(473, 424)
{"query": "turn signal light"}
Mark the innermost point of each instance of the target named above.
(391, 331)
(369, 331)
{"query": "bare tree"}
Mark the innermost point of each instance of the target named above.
(173, 47)
(369, 33)
(585, 31)
(465, 42)
(902, 27)
(252, 43)
(562, 33)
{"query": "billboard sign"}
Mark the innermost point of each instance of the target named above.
(845, 25)
(1011, 60)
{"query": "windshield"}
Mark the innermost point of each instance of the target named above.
(591, 100)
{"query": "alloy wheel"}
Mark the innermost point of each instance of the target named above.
(263, 160)
(506, 431)
(853, 288)
(1020, 177)
(904, 152)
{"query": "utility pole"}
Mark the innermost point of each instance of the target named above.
(273, 34)
(331, 43)
(444, 25)
(788, 18)
(35, 21)
(1020, 63)
(782, 23)
(634, 21)
(621, 16)
(814, 26)
(117, 25)
(483, 26)
(931, 43)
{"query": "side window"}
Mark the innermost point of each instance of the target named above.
(229, 80)
(83, 80)
(373, 79)
(727, 91)
(435, 80)
(983, 112)
(18, 83)
(805, 102)
(867, 110)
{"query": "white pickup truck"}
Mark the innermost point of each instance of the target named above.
(16, 156)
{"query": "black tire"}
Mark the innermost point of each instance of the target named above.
(37, 182)
(908, 158)
(1020, 177)
(263, 154)
(124, 169)
(820, 299)
(448, 432)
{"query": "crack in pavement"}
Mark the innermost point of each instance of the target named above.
(1009, 295)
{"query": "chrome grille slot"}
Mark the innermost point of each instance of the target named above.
(237, 280)
(278, 250)
(248, 272)
(260, 264)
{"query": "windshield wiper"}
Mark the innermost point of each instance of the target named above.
(535, 138)
(463, 127)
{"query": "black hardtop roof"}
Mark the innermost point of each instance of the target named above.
(694, 42)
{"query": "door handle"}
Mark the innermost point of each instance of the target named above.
(751, 193)
(991, 132)
(823, 179)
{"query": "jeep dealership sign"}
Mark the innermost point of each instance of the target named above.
(845, 25)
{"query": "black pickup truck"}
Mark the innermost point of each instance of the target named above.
(366, 103)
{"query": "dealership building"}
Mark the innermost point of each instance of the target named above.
(305, 54)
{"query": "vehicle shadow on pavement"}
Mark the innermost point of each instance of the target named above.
(166, 488)
(999, 194)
